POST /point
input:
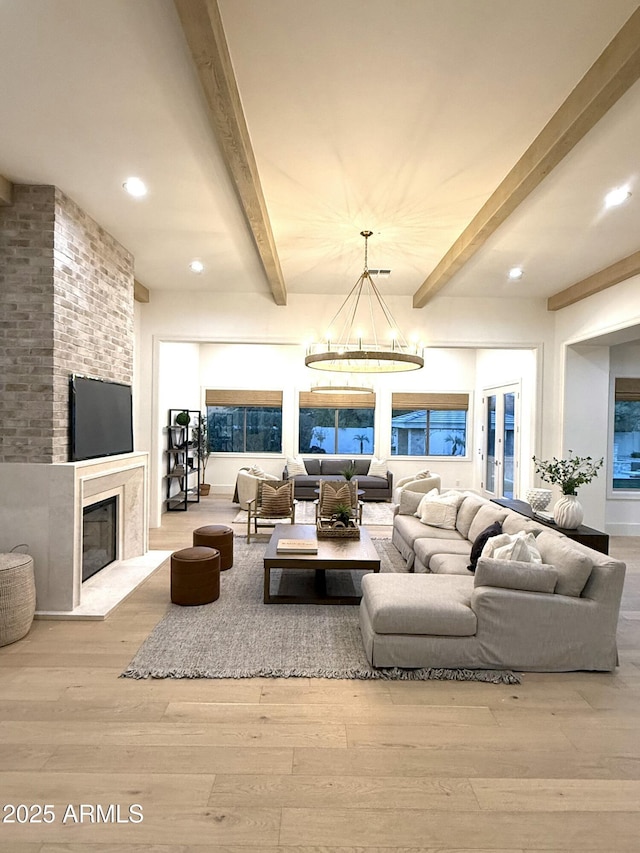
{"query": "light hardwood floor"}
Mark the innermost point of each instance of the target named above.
(311, 766)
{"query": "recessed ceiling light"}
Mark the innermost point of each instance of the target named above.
(196, 266)
(617, 196)
(135, 187)
(516, 273)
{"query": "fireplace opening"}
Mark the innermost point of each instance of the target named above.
(99, 536)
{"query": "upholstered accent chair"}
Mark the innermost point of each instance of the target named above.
(274, 502)
(247, 484)
(332, 493)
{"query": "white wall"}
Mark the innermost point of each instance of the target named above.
(511, 367)
(586, 421)
(598, 321)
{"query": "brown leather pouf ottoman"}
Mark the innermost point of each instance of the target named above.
(217, 536)
(195, 576)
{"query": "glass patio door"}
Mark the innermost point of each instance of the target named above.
(501, 428)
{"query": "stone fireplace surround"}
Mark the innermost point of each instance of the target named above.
(41, 507)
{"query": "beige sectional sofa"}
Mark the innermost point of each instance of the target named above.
(554, 616)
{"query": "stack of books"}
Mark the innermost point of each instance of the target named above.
(298, 546)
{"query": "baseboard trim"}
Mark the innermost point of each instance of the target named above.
(622, 529)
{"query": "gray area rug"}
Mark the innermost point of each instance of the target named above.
(239, 636)
(372, 513)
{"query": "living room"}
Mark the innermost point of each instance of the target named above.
(100, 92)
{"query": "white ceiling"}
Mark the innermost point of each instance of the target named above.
(401, 116)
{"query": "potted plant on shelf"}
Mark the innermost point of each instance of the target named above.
(200, 439)
(568, 474)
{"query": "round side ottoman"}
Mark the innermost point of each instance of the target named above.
(195, 576)
(217, 536)
(17, 596)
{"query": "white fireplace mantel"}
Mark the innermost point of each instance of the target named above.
(41, 507)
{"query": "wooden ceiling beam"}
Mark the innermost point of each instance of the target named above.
(140, 292)
(601, 280)
(612, 74)
(6, 191)
(202, 25)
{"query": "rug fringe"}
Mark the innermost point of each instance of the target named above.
(491, 676)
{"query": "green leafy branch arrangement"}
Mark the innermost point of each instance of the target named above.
(569, 473)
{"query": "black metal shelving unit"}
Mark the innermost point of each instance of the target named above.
(183, 462)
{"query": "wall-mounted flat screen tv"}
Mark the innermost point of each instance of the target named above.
(101, 418)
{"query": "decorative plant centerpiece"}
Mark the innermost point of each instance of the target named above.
(342, 514)
(348, 471)
(341, 525)
(569, 474)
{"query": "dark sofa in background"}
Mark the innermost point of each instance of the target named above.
(374, 488)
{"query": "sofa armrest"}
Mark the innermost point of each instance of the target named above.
(545, 632)
(515, 574)
(424, 485)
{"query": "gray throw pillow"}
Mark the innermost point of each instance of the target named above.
(573, 567)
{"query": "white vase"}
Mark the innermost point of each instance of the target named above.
(568, 512)
(538, 499)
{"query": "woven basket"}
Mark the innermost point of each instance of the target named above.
(326, 530)
(17, 597)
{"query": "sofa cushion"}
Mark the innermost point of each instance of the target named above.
(427, 549)
(333, 466)
(295, 466)
(573, 567)
(514, 574)
(439, 510)
(485, 516)
(520, 546)
(378, 467)
(467, 512)
(410, 529)
(449, 564)
(312, 466)
(419, 604)
(494, 529)
(514, 523)
(306, 481)
(372, 482)
(362, 467)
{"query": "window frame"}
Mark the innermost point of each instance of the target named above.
(429, 403)
(623, 389)
(309, 400)
(245, 400)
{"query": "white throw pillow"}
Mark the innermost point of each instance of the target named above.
(518, 546)
(295, 466)
(432, 494)
(378, 468)
(440, 510)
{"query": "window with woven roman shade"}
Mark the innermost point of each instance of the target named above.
(244, 421)
(429, 424)
(336, 423)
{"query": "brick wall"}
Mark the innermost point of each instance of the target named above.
(66, 306)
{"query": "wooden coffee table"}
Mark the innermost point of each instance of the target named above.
(333, 555)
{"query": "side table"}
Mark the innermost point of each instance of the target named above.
(588, 536)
